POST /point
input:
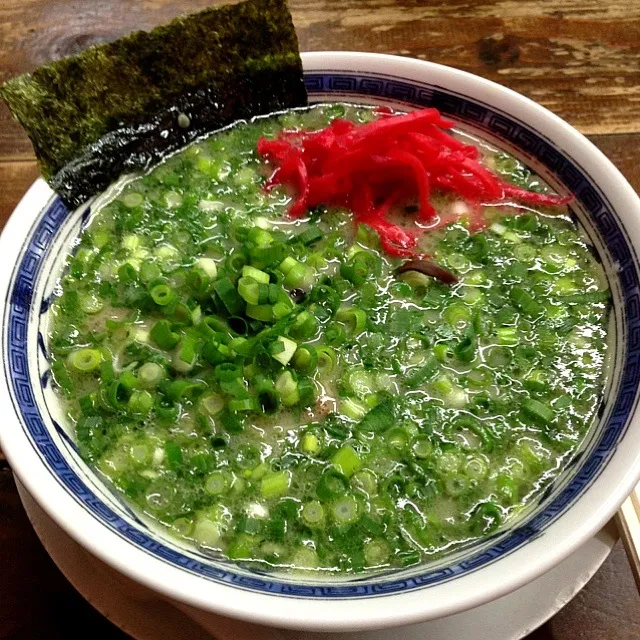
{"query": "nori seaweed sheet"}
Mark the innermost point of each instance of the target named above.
(114, 108)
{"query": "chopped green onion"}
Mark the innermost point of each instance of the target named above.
(326, 297)
(401, 322)
(230, 421)
(162, 335)
(362, 266)
(332, 484)
(287, 265)
(287, 387)
(345, 510)
(250, 291)
(133, 199)
(248, 456)
(310, 443)
(286, 353)
(537, 381)
(327, 360)
(262, 312)
(456, 398)
(228, 371)
(259, 236)
(149, 271)
(207, 533)
(162, 294)
(538, 411)
(309, 236)
(353, 318)
(334, 334)
(457, 315)
(127, 273)
(476, 469)
(443, 352)
(443, 385)
(422, 374)
(419, 282)
(179, 389)
(91, 303)
(259, 276)
(215, 352)
(525, 252)
(359, 382)
(486, 518)
(466, 349)
(422, 447)
(565, 287)
(352, 408)
(555, 255)
(376, 553)
(365, 480)
(266, 393)
(283, 307)
(304, 325)
(212, 404)
(508, 336)
(380, 418)
(88, 404)
(312, 514)
(244, 404)
(346, 460)
(185, 358)
(479, 378)
(198, 280)
(300, 277)
(217, 483)
(455, 485)
(85, 359)
(397, 438)
(526, 302)
(117, 394)
(457, 261)
(207, 265)
(275, 484)
(305, 359)
(507, 488)
(269, 256)
(140, 402)
(306, 391)
(228, 295)
(498, 357)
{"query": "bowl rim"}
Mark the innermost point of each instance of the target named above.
(332, 614)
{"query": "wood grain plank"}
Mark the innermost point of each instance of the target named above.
(624, 151)
(15, 179)
(548, 51)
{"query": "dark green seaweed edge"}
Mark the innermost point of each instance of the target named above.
(115, 108)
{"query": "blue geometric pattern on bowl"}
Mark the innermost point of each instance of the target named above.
(482, 117)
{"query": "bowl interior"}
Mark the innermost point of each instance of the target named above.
(32, 286)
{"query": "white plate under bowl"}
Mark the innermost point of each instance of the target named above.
(145, 616)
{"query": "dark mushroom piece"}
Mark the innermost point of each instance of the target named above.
(428, 268)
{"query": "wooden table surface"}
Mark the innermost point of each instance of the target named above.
(579, 58)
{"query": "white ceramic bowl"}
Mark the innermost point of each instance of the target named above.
(41, 451)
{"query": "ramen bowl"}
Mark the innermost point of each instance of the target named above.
(40, 446)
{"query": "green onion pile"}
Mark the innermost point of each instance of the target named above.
(274, 391)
